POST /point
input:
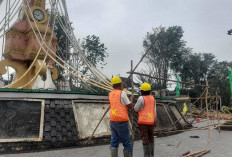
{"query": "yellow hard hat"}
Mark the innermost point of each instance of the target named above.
(116, 80)
(145, 87)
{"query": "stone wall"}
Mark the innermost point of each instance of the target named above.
(59, 127)
(63, 125)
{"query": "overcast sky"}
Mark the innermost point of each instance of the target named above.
(123, 24)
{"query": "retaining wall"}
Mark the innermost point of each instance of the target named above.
(68, 120)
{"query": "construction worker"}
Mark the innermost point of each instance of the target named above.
(119, 104)
(146, 107)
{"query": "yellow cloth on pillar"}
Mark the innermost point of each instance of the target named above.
(185, 109)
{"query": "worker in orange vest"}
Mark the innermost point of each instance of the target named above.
(119, 104)
(146, 107)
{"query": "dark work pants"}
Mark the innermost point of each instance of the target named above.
(120, 133)
(147, 133)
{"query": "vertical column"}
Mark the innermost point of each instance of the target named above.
(219, 130)
(132, 110)
(207, 109)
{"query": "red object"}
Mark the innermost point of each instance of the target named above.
(198, 120)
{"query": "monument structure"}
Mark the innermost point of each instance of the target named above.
(32, 118)
(23, 51)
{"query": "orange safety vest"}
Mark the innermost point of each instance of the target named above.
(147, 114)
(118, 112)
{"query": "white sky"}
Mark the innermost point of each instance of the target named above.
(123, 24)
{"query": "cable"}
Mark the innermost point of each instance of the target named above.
(81, 52)
(5, 24)
(52, 33)
(32, 64)
(53, 52)
(75, 72)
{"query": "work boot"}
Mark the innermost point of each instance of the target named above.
(151, 149)
(127, 154)
(114, 152)
(146, 150)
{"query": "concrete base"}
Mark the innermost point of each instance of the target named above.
(59, 126)
(70, 118)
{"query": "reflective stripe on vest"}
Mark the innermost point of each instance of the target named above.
(147, 114)
(118, 112)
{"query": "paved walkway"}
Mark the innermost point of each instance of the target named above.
(220, 145)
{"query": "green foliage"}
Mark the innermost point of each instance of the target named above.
(164, 45)
(218, 78)
(195, 66)
(63, 44)
(168, 53)
(95, 50)
(63, 41)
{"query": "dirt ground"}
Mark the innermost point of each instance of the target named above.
(220, 145)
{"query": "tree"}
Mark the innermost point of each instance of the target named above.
(218, 78)
(194, 67)
(93, 49)
(96, 53)
(168, 53)
(63, 42)
(164, 45)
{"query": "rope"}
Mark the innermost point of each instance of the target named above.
(3, 40)
(56, 55)
(45, 43)
(40, 49)
(8, 13)
(79, 51)
(32, 64)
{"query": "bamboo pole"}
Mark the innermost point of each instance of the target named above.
(98, 125)
(207, 110)
(160, 78)
(8, 69)
(219, 129)
(202, 111)
(186, 112)
(141, 59)
(132, 81)
(197, 154)
(201, 103)
(132, 110)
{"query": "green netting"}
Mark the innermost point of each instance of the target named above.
(177, 86)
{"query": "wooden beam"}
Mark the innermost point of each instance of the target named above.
(160, 78)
